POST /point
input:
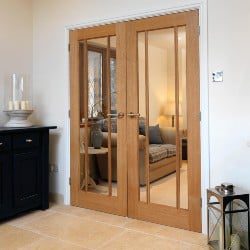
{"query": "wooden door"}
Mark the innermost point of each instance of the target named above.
(98, 118)
(163, 124)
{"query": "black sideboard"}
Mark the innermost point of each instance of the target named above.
(24, 169)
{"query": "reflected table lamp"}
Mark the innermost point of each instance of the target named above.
(170, 111)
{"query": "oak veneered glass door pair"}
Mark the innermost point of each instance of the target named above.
(135, 138)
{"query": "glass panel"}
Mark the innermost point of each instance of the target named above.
(159, 100)
(183, 128)
(99, 125)
(113, 110)
(215, 224)
(236, 225)
(113, 74)
(142, 111)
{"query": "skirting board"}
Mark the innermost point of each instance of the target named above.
(56, 198)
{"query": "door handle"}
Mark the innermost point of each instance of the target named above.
(1, 143)
(28, 140)
(132, 115)
(118, 115)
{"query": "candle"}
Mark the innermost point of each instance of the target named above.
(235, 242)
(16, 105)
(21, 87)
(23, 105)
(27, 105)
(14, 86)
(10, 105)
(221, 238)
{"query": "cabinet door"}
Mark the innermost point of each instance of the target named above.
(27, 179)
(5, 184)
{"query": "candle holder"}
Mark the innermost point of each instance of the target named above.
(18, 101)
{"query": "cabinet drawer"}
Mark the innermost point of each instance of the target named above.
(26, 140)
(5, 143)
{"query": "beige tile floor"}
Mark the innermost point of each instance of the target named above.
(66, 227)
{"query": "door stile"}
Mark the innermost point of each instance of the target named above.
(177, 118)
(122, 171)
(132, 124)
(85, 93)
(147, 118)
(109, 117)
(74, 119)
(193, 103)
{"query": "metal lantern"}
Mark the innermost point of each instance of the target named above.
(228, 218)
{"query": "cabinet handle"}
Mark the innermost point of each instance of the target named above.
(1, 143)
(28, 140)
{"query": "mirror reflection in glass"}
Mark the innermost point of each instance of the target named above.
(100, 121)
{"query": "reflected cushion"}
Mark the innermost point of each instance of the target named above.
(154, 134)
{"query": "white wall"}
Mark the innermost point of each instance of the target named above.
(229, 102)
(229, 39)
(15, 43)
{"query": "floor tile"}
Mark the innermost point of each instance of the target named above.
(108, 218)
(5, 228)
(51, 244)
(140, 241)
(77, 211)
(143, 226)
(15, 238)
(92, 215)
(29, 217)
(186, 246)
(183, 235)
(76, 230)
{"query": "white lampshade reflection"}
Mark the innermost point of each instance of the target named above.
(169, 109)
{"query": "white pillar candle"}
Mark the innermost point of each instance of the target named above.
(14, 87)
(235, 242)
(221, 238)
(27, 105)
(23, 105)
(16, 105)
(21, 87)
(10, 105)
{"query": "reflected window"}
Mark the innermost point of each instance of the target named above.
(95, 82)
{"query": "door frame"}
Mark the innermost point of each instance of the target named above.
(200, 5)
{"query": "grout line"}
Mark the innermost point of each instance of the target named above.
(112, 239)
(93, 220)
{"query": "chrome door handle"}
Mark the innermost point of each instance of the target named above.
(28, 140)
(118, 115)
(1, 143)
(132, 115)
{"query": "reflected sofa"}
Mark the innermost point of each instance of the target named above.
(158, 168)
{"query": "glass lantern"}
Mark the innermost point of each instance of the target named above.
(18, 101)
(18, 93)
(228, 219)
